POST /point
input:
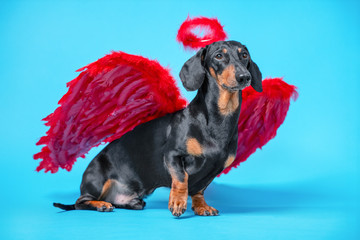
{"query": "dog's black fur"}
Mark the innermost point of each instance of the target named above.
(184, 150)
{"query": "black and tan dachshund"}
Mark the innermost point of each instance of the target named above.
(184, 150)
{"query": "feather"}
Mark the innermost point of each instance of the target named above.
(120, 91)
(210, 28)
(109, 98)
(261, 115)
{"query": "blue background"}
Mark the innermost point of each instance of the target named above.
(304, 184)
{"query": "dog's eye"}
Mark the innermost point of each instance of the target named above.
(244, 55)
(219, 56)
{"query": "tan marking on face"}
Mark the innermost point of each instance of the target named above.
(239, 50)
(224, 50)
(228, 102)
(229, 161)
(227, 76)
(212, 72)
(193, 147)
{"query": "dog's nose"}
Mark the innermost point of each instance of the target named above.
(243, 78)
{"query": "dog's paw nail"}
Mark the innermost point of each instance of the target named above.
(207, 213)
(171, 209)
(183, 210)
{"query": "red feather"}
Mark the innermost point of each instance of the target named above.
(120, 91)
(213, 32)
(261, 115)
(109, 98)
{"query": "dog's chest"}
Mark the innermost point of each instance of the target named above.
(210, 154)
(207, 143)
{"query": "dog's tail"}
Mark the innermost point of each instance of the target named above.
(64, 207)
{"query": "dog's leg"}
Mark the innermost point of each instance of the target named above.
(89, 202)
(178, 195)
(179, 186)
(121, 195)
(136, 204)
(200, 207)
(88, 199)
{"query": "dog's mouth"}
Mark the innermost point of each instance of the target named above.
(235, 88)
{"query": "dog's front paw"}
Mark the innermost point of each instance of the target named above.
(205, 210)
(177, 205)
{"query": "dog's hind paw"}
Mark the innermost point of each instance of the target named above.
(101, 206)
(137, 204)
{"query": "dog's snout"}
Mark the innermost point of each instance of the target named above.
(243, 78)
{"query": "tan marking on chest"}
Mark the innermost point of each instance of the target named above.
(227, 76)
(229, 161)
(228, 102)
(193, 147)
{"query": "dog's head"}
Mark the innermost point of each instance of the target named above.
(227, 62)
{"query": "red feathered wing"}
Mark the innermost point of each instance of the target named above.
(109, 98)
(120, 91)
(261, 115)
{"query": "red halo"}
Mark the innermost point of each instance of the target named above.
(213, 32)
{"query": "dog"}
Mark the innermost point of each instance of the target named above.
(184, 150)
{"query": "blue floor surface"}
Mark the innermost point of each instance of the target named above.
(264, 211)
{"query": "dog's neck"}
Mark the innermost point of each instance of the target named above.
(220, 107)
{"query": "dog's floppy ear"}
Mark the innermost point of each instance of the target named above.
(256, 77)
(192, 74)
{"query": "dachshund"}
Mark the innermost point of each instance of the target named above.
(184, 150)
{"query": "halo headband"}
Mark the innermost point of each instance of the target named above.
(210, 27)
